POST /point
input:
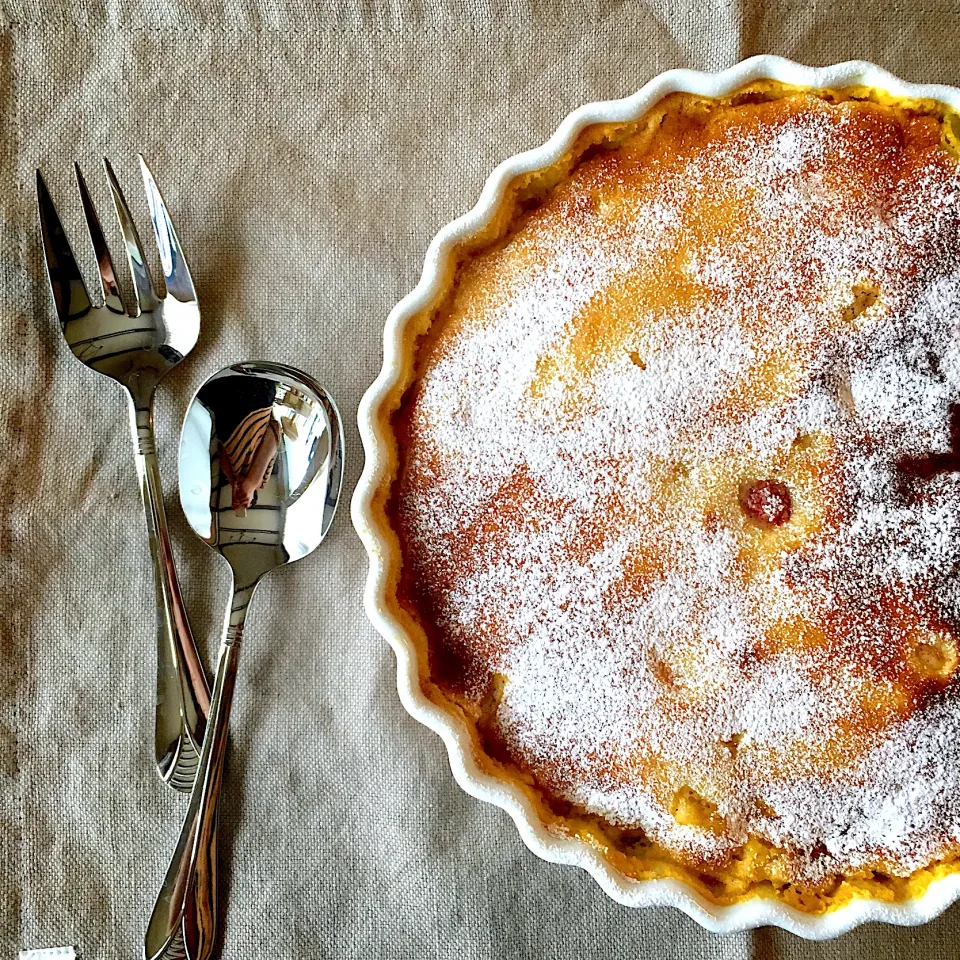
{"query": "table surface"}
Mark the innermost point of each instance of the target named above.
(308, 156)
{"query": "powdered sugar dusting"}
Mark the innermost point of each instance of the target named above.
(782, 301)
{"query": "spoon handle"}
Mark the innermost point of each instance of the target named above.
(183, 923)
(183, 697)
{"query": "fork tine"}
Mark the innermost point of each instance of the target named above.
(69, 291)
(146, 298)
(176, 273)
(108, 276)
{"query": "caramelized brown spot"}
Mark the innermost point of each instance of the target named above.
(930, 465)
(661, 670)
(764, 808)
(732, 743)
(750, 97)
(768, 501)
(711, 521)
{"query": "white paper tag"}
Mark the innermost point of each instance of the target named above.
(49, 953)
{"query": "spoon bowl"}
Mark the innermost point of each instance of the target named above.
(294, 502)
(261, 468)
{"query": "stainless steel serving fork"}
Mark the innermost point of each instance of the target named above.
(137, 344)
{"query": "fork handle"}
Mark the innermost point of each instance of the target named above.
(183, 696)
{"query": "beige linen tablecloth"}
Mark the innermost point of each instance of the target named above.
(308, 155)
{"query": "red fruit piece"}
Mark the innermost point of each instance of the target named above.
(768, 501)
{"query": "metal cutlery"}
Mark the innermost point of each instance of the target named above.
(136, 344)
(261, 466)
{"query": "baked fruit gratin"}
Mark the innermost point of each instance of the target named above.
(676, 494)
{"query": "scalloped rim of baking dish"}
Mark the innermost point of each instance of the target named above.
(747, 914)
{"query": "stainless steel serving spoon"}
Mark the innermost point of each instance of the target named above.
(261, 464)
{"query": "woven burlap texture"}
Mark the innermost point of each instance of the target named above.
(308, 153)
